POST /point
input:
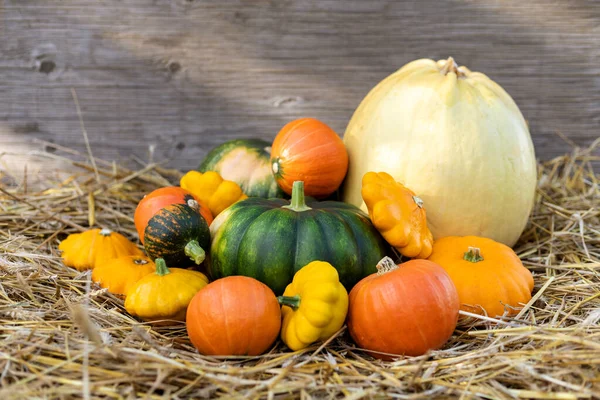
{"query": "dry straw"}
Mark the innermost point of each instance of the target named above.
(62, 337)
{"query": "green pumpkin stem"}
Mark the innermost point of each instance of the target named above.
(297, 203)
(161, 267)
(473, 255)
(292, 302)
(195, 252)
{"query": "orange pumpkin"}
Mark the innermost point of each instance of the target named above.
(236, 315)
(310, 151)
(487, 274)
(403, 310)
(160, 198)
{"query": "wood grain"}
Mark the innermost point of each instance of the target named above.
(174, 78)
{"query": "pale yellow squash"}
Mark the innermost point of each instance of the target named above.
(457, 139)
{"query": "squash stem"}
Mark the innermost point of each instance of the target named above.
(195, 252)
(473, 255)
(161, 267)
(298, 203)
(105, 232)
(385, 265)
(292, 302)
(418, 201)
(451, 66)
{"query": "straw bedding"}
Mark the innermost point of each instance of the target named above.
(63, 337)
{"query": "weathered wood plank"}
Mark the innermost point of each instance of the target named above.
(182, 76)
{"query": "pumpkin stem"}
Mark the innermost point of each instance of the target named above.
(419, 201)
(195, 252)
(452, 66)
(105, 232)
(161, 267)
(292, 302)
(473, 255)
(386, 265)
(297, 203)
(193, 204)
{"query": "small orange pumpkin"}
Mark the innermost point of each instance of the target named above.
(95, 247)
(120, 274)
(160, 198)
(487, 274)
(403, 310)
(236, 315)
(308, 150)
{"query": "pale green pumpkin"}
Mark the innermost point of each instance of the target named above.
(247, 163)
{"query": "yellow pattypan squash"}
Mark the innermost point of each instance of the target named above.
(314, 305)
(212, 190)
(398, 214)
(164, 294)
(95, 247)
(120, 274)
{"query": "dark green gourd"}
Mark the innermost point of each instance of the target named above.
(178, 233)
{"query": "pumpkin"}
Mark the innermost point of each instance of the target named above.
(457, 139)
(398, 214)
(488, 275)
(212, 190)
(310, 151)
(233, 316)
(247, 163)
(271, 239)
(403, 310)
(314, 305)
(165, 294)
(95, 247)
(177, 233)
(160, 198)
(120, 274)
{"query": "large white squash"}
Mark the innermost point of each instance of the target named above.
(454, 137)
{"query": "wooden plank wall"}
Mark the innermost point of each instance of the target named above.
(179, 76)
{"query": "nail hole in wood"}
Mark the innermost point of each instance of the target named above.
(174, 67)
(47, 66)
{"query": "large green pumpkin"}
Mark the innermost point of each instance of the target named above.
(247, 163)
(272, 239)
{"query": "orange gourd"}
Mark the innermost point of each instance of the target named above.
(398, 214)
(94, 247)
(488, 275)
(120, 274)
(236, 315)
(403, 310)
(160, 198)
(308, 150)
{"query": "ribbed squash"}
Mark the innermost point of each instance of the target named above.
(247, 163)
(95, 247)
(270, 240)
(120, 274)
